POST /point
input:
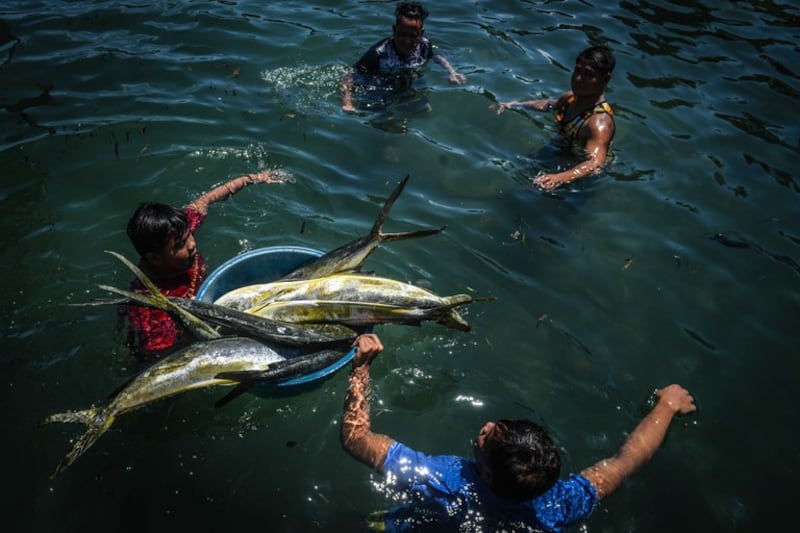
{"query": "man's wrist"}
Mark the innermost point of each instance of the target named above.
(360, 369)
(665, 408)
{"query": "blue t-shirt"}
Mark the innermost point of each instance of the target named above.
(448, 489)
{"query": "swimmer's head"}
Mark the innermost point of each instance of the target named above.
(407, 30)
(411, 11)
(517, 458)
(599, 57)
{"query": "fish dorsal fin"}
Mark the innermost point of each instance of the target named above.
(376, 228)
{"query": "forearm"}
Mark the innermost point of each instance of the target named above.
(593, 165)
(346, 88)
(583, 169)
(222, 192)
(455, 77)
(640, 446)
(537, 105)
(444, 63)
(356, 433)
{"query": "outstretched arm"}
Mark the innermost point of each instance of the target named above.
(356, 434)
(544, 104)
(455, 77)
(607, 475)
(233, 186)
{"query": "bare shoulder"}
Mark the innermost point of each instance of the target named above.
(599, 128)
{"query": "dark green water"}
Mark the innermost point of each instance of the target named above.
(162, 101)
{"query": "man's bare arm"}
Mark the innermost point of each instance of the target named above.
(600, 131)
(356, 433)
(229, 188)
(346, 88)
(607, 475)
(544, 104)
(454, 77)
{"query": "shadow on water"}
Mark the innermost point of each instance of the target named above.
(19, 108)
(8, 42)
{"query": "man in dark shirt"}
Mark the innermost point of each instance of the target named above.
(395, 59)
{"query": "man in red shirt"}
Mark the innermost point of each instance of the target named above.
(164, 238)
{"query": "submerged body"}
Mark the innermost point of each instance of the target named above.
(193, 367)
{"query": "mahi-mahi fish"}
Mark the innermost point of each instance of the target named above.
(351, 299)
(196, 366)
(351, 256)
(364, 314)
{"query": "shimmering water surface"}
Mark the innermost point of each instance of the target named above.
(603, 292)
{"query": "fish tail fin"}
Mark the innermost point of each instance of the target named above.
(376, 232)
(383, 215)
(96, 420)
(156, 299)
(85, 417)
(388, 237)
(130, 296)
(154, 290)
(452, 319)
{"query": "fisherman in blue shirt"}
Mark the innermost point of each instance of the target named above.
(513, 481)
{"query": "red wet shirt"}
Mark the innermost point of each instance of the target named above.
(153, 333)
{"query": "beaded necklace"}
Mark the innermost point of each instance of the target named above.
(194, 276)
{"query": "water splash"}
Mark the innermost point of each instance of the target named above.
(305, 87)
(256, 157)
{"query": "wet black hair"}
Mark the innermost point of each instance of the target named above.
(410, 10)
(523, 459)
(152, 225)
(600, 57)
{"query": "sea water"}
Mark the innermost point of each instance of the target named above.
(678, 265)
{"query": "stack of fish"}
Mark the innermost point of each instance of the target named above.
(270, 332)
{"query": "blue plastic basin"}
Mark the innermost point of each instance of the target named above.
(262, 266)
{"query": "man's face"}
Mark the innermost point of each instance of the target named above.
(179, 254)
(406, 35)
(587, 80)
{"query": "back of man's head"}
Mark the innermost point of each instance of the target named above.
(152, 225)
(410, 10)
(523, 459)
